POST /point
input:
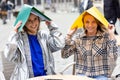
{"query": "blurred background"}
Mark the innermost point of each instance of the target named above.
(62, 12)
(54, 5)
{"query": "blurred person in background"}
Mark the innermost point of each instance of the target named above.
(112, 11)
(3, 7)
(10, 7)
(84, 5)
(116, 72)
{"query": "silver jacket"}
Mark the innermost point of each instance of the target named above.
(18, 45)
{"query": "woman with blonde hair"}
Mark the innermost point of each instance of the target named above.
(94, 47)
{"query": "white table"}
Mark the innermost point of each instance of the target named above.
(61, 77)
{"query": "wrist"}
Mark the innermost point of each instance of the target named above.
(112, 36)
(68, 36)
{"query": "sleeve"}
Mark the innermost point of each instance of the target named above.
(11, 47)
(55, 39)
(112, 49)
(69, 48)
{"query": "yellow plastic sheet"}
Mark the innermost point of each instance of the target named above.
(94, 12)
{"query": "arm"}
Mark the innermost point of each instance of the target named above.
(11, 49)
(55, 39)
(113, 50)
(112, 47)
(69, 48)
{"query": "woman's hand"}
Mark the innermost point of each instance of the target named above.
(71, 32)
(17, 26)
(48, 23)
(111, 28)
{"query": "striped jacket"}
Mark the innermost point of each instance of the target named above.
(92, 54)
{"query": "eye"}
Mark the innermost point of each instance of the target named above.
(36, 19)
(86, 22)
(94, 22)
(29, 21)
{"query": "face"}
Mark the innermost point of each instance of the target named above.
(90, 24)
(32, 24)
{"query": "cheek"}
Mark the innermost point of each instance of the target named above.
(38, 22)
(86, 25)
(27, 24)
(95, 25)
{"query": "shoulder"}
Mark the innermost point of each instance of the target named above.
(43, 33)
(102, 33)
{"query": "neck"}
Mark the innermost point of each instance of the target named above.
(32, 33)
(91, 33)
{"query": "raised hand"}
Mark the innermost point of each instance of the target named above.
(17, 26)
(111, 28)
(48, 23)
(71, 32)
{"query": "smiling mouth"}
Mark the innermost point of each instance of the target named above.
(34, 26)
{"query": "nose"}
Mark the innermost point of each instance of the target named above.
(33, 24)
(90, 24)
(32, 21)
